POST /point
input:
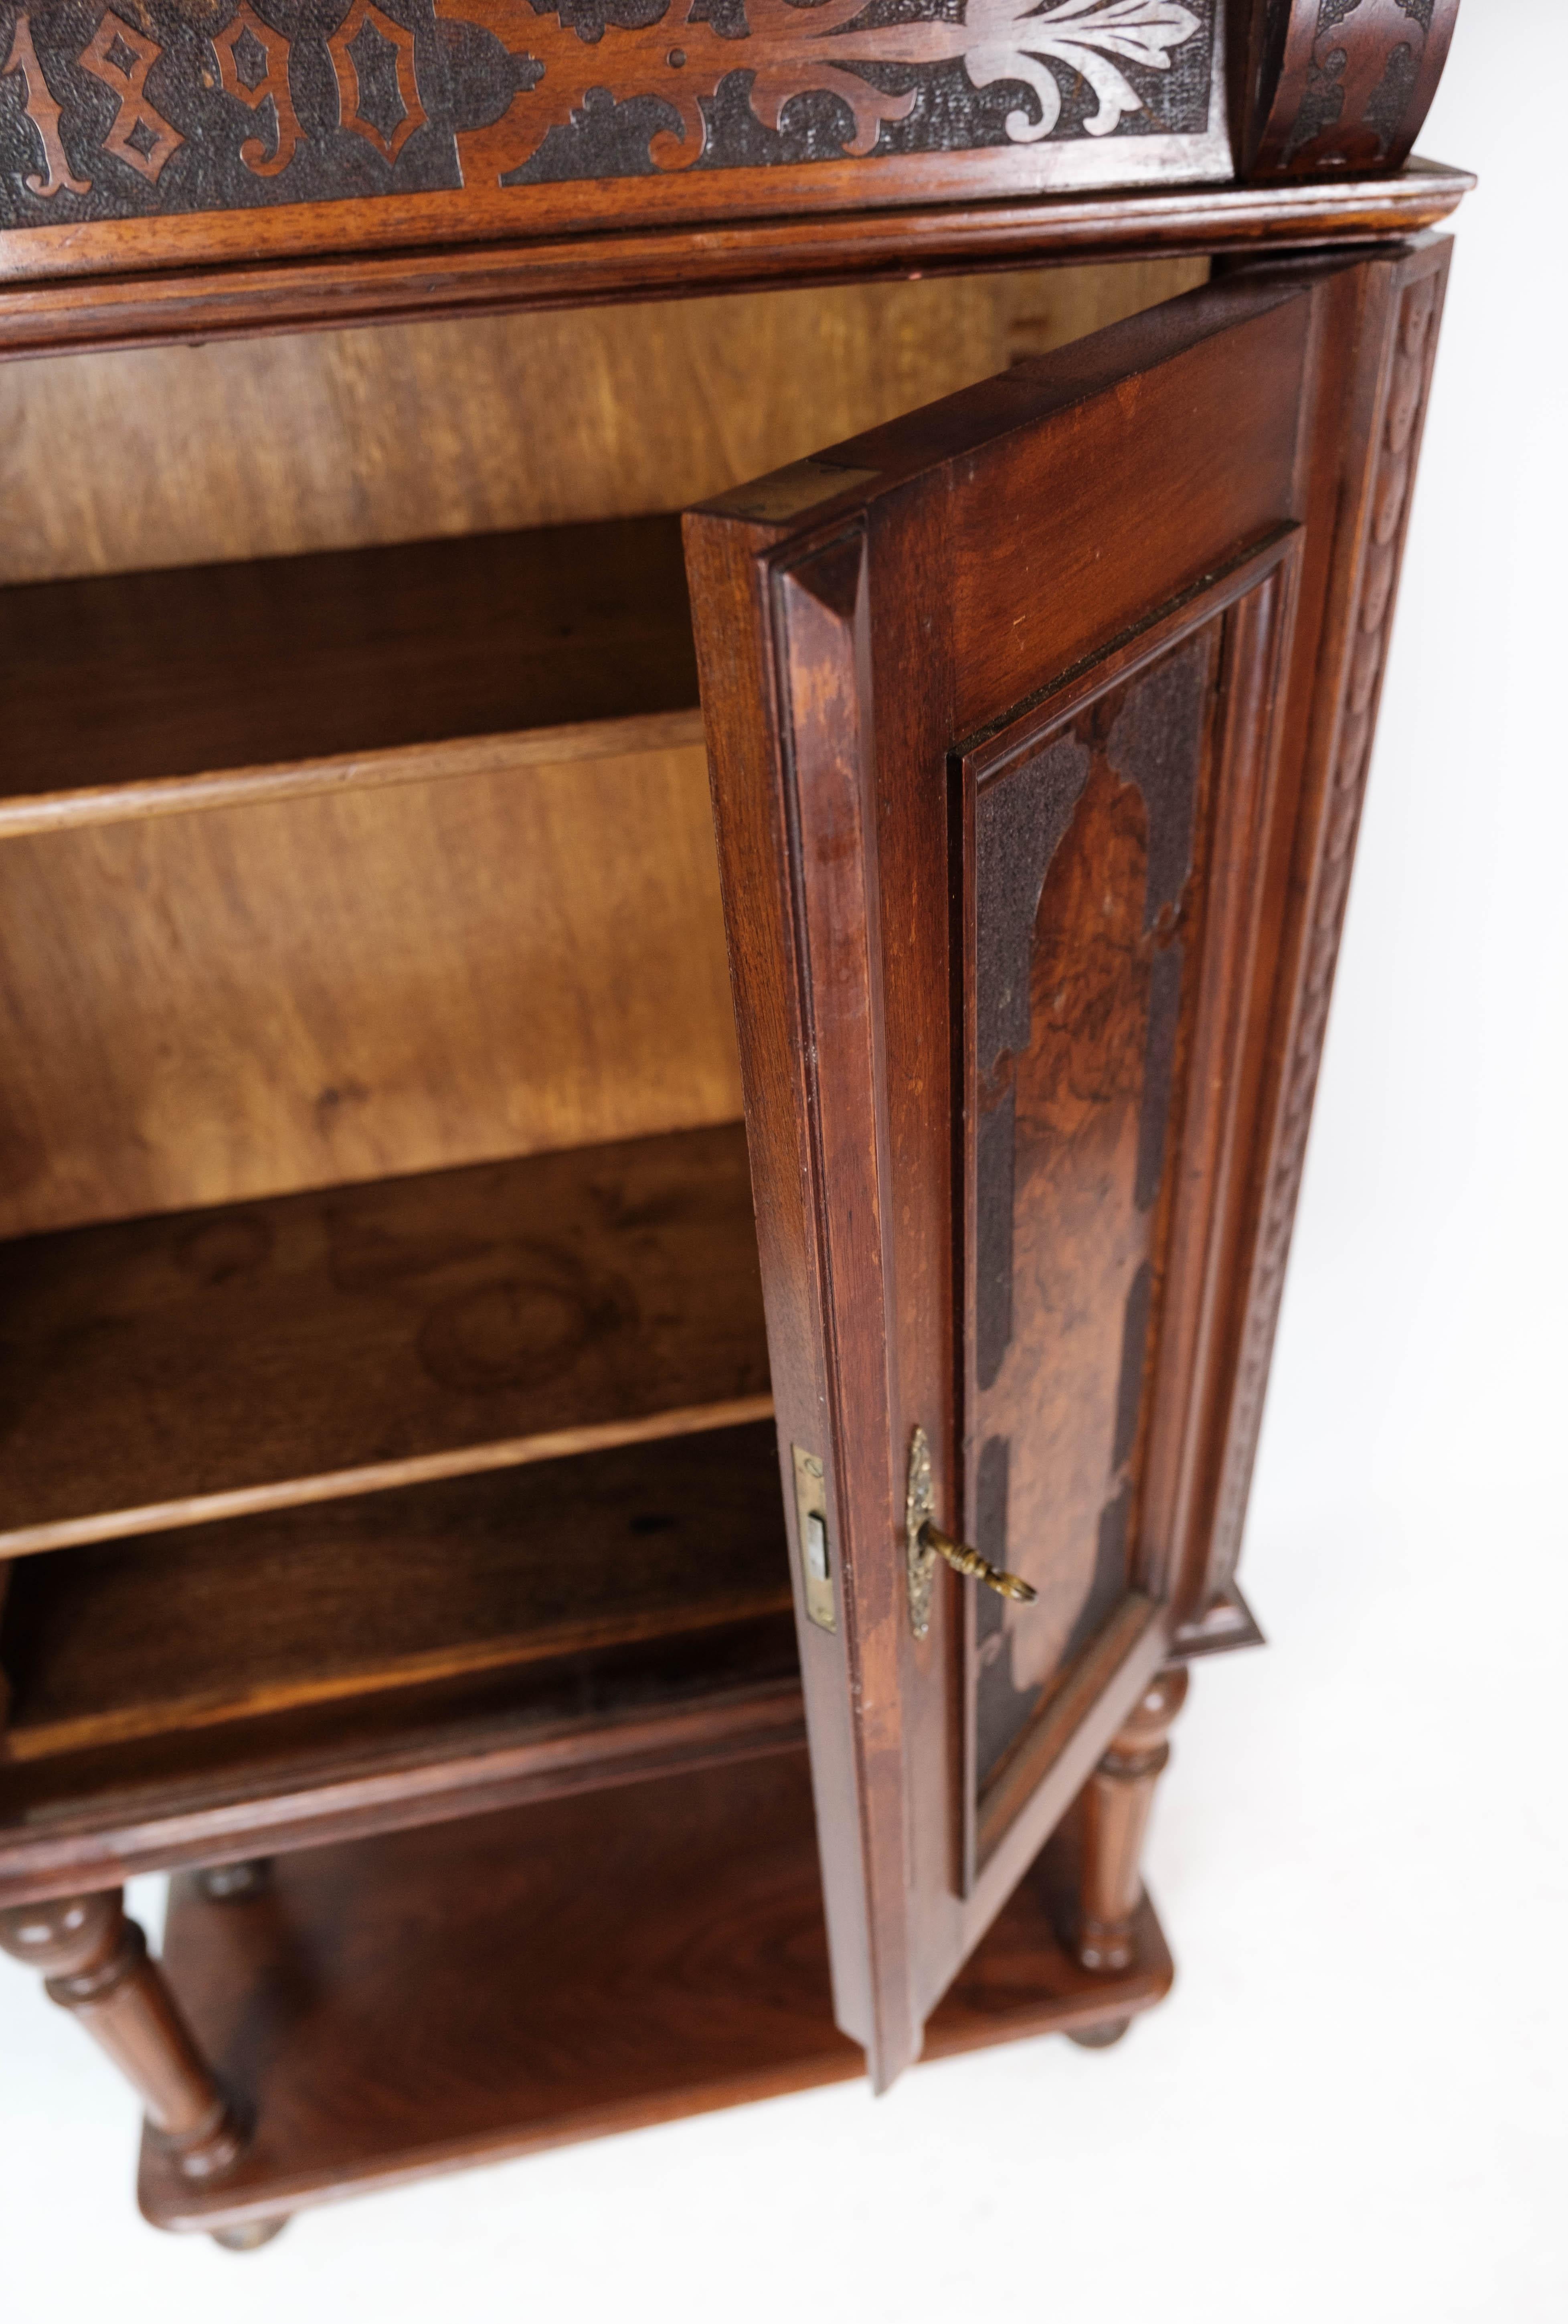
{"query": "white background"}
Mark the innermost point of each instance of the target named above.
(1353, 2105)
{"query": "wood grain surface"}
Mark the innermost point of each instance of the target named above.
(341, 439)
(165, 1371)
(393, 968)
(150, 675)
(863, 620)
(419, 1754)
(476, 1574)
(1327, 90)
(202, 278)
(418, 2003)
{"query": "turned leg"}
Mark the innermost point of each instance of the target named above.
(95, 1965)
(1116, 1803)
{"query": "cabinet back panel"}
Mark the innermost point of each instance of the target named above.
(177, 455)
(255, 999)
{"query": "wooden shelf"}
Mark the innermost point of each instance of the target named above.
(462, 1993)
(114, 692)
(177, 1370)
(119, 1641)
(299, 1778)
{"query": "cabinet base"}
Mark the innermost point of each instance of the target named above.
(425, 2000)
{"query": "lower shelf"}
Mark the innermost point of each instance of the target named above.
(430, 1999)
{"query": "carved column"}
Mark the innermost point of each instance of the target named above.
(1116, 1803)
(95, 1965)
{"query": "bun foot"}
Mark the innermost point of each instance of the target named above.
(250, 2234)
(1099, 2037)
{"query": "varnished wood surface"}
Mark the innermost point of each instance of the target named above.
(147, 676)
(342, 438)
(211, 280)
(124, 1639)
(1113, 1820)
(489, 151)
(95, 1965)
(1325, 91)
(171, 1370)
(1088, 1467)
(443, 956)
(859, 619)
(574, 1969)
(33, 813)
(423, 1754)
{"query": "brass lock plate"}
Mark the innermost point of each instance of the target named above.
(816, 1552)
(921, 1557)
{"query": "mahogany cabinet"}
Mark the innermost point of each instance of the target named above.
(646, 1163)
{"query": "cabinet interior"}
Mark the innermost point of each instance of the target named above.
(380, 1341)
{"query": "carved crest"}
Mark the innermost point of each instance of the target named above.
(797, 50)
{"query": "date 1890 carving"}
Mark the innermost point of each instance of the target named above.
(272, 101)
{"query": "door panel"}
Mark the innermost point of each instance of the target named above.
(1113, 848)
(1023, 718)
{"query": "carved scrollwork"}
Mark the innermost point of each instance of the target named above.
(794, 51)
(1340, 85)
(237, 104)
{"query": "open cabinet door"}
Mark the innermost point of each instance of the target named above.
(1038, 724)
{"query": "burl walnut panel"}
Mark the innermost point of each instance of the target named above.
(1083, 872)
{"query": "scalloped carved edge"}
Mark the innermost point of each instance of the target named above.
(1407, 380)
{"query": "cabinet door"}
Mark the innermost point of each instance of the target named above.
(1038, 723)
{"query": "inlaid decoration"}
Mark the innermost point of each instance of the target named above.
(1083, 905)
(176, 106)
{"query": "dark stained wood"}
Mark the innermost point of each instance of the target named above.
(188, 156)
(1320, 91)
(1115, 1819)
(1226, 1623)
(176, 1370)
(5, 1680)
(193, 279)
(423, 1756)
(554, 1974)
(94, 1963)
(1336, 706)
(1005, 556)
(1115, 839)
(465, 1578)
(146, 677)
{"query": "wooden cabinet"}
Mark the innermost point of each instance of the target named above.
(646, 1181)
